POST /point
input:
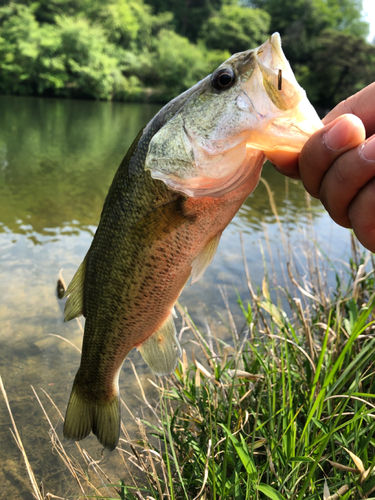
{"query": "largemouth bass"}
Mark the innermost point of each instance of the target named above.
(180, 184)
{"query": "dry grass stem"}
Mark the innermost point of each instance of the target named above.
(36, 492)
(65, 340)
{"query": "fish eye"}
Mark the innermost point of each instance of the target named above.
(223, 79)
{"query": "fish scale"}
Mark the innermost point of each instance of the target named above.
(182, 181)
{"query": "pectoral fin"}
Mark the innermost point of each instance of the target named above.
(162, 350)
(204, 259)
(161, 221)
(74, 292)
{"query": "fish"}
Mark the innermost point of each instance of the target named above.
(181, 182)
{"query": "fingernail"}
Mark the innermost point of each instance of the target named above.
(340, 135)
(367, 151)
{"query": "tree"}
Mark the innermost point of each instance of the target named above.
(189, 15)
(20, 39)
(341, 64)
(236, 28)
(68, 58)
(131, 23)
(174, 64)
(346, 16)
(300, 22)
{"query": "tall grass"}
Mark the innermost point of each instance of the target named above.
(285, 410)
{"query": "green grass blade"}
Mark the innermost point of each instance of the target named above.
(270, 492)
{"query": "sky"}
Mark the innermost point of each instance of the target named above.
(369, 10)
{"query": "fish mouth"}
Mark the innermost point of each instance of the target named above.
(217, 139)
(275, 41)
(285, 116)
(271, 52)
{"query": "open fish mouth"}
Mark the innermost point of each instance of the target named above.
(286, 118)
(203, 150)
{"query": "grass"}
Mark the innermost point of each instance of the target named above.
(287, 414)
(285, 410)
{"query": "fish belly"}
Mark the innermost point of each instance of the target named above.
(139, 292)
(133, 284)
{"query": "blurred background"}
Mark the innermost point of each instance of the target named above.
(152, 50)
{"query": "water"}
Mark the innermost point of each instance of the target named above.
(57, 159)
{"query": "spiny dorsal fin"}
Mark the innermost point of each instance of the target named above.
(162, 350)
(74, 292)
(204, 259)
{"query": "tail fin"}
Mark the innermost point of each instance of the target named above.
(84, 416)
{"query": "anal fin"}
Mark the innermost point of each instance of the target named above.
(74, 292)
(204, 259)
(162, 349)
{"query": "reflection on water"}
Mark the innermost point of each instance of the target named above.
(57, 159)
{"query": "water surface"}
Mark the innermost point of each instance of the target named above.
(57, 159)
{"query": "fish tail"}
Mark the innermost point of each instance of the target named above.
(84, 415)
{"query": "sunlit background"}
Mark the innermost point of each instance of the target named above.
(369, 12)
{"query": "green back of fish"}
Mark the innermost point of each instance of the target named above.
(136, 209)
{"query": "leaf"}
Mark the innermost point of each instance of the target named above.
(301, 459)
(270, 492)
(344, 468)
(273, 311)
(265, 290)
(243, 453)
(358, 462)
(245, 375)
(326, 493)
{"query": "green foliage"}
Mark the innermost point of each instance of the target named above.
(90, 61)
(301, 21)
(346, 15)
(340, 65)
(315, 15)
(178, 64)
(319, 38)
(68, 58)
(235, 28)
(156, 49)
(113, 50)
(189, 15)
(130, 23)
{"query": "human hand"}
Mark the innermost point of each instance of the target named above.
(337, 165)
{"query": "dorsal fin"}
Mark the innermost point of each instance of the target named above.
(204, 259)
(162, 350)
(74, 292)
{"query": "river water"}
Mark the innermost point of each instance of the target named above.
(57, 159)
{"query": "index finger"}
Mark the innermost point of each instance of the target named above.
(361, 104)
(284, 162)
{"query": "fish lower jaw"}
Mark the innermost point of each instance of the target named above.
(204, 186)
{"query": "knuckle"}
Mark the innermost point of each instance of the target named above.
(362, 208)
(339, 174)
